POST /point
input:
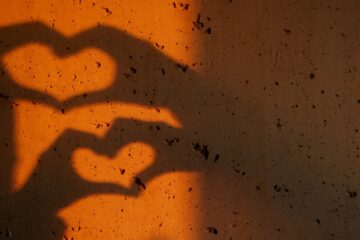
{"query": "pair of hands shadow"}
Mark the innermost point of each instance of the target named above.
(159, 81)
(54, 184)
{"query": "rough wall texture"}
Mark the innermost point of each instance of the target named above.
(162, 119)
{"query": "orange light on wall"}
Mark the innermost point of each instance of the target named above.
(161, 211)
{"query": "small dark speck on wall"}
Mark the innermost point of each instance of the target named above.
(212, 230)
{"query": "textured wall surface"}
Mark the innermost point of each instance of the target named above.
(159, 120)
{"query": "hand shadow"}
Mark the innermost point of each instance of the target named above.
(153, 80)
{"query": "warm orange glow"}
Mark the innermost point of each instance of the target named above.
(128, 162)
(164, 211)
(38, 126)
(160, 212)
(35, 66)
(155, 214)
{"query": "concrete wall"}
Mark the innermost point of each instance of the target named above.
(179, 120)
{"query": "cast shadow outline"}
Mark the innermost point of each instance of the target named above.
(47, 174)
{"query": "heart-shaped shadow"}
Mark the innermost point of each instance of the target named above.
(163, 84)
(128, 162)
(76, 74)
